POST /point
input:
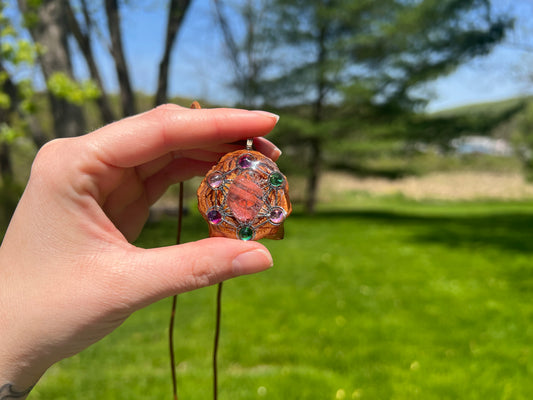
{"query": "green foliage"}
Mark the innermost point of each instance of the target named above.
(388, 300)
(15, 53)
(5, 101)
(8, 133)
(31, 16)
(64, 87)
(20, 52)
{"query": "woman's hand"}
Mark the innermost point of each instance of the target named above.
(68, 272)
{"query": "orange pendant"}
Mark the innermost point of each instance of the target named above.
(245, 196)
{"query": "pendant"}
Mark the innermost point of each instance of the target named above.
(245, 196)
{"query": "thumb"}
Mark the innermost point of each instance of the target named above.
(165, 271)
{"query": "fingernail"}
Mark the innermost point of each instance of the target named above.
(252, 261)
(267, 114)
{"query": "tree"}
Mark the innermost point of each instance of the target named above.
(52, 24)
(16, 106)
(16, 97)
(127, 98)
(47, 24)
(249, 55)
(176, 13)
(177, 10)
(354, 63)
(83, 38)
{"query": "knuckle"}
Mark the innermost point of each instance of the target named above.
(50, 154)
(203, 275)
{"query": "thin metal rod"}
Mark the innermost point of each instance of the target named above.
(171, 348)
(217, 336)
(180, 214)
(174, 303)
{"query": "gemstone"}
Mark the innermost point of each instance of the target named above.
(215, 180)
(246, 233)
(276, 179)
(277, 215)
(245, 161)
(245, 199)
(214, 217)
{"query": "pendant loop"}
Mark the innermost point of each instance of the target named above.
(249, 144)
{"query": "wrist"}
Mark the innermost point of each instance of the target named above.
(10, 391)
(18, 376)
(20, 365)
(19, 372)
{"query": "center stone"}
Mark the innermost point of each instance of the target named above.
(245, 199)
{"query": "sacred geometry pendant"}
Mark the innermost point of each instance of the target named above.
(245, 196)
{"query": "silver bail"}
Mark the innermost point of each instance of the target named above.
(249, 144)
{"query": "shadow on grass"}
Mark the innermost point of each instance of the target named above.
(508, 231)
(503, 230)
(512, 231)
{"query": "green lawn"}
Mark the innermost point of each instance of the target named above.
(391, 300)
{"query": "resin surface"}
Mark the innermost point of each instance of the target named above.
(245, 197)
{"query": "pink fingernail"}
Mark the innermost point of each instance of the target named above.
(267, 114)
(252, 261)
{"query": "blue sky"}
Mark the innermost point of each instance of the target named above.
(198, 69)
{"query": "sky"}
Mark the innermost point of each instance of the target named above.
(504, 73)
(198, 69)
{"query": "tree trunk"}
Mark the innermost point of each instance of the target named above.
(315, 158)
(176, 13)
(50, 31)
(6, 165)
(8, 87)
(84, 43)
(127, 97)
(315, 168)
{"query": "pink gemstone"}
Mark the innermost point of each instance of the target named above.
(215, 180)
(214, 217)
(245, 199)
(277, 215)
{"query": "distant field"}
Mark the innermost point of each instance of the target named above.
(387, 298)
(462, 185)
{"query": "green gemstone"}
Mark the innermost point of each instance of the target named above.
(246, 233)
(276, 179)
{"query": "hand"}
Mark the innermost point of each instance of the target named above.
(69, 274)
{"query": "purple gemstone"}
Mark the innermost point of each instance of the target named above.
(277, 215)
(214, 217)
(245, 161)
(215, 180)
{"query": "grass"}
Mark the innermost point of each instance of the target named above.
(391, 299)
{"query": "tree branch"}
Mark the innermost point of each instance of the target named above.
(126, 93)
(176, 13)
(84, 43)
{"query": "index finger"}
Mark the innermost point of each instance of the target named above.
(145, 137)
